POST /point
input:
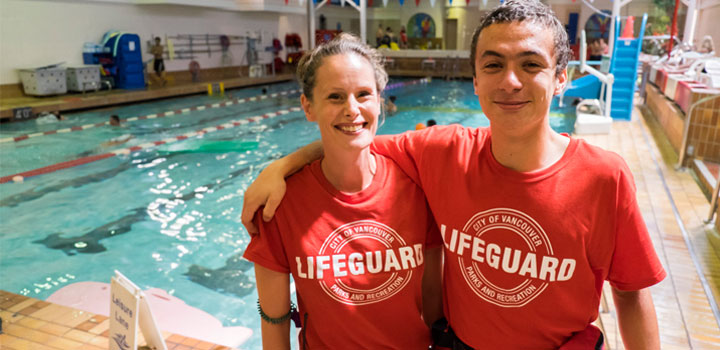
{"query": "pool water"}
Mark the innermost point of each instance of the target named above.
(169, 220)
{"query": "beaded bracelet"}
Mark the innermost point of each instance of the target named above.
(276, 320)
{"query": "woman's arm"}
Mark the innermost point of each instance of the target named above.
(432, 285)
(274, 299)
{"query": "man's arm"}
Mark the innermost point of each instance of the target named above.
(637, 319)
(269, 187)
(274, 298)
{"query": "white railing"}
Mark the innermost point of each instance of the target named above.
(606, 79)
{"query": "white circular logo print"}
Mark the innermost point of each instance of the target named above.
(512, 259)
(370, 262)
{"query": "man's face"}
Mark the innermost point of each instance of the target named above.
(515, 76)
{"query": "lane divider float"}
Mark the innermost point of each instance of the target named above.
(152, 116)
(125, 151)
(187, 110)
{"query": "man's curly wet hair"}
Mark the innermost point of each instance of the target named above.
(527, 10)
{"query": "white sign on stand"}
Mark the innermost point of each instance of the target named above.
(129, 310)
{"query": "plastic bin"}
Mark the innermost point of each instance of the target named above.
(44, 81)
(83, 78)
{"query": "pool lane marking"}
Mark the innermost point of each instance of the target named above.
(186, 110)
(150, 116)
(146, 145)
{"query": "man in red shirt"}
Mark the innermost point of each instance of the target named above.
(533, 222)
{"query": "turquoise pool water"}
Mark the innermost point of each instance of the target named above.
(168, 220)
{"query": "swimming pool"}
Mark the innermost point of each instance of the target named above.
(168, 217)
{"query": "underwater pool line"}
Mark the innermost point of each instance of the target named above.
(124, 151)
(152, 116)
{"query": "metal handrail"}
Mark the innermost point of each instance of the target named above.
(714, 200)
(686, 131)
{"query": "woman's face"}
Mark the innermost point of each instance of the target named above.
(346, 103)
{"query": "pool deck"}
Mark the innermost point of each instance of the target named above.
(672, 204)
(674, 208)
(32, 324)
(76, 101)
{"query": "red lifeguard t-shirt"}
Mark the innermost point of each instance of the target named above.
(526, 254)
(357, 259)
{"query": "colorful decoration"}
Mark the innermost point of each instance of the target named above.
(421, 25)
(598, 26)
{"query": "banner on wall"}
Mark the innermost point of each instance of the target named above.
(421, 25)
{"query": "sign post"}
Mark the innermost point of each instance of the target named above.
(129, 310)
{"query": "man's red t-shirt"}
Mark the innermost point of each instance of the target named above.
(526, 254)
(357, 259)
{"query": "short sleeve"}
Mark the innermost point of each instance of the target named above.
(635, 264)
(408, 150)
(403, 150)
(266, 248)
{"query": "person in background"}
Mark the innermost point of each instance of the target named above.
(157, 51)
(393, 37)
(533, 221)
(49, 117)
(379, 34)
(431, 122)
(390, 107)
(707, 45)
(403, 38)
(598, 48)
(114, 120)
(354, 232)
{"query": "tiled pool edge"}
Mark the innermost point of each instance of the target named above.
(29, 323)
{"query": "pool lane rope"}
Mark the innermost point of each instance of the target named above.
(152, 116)
(128, 150)
(184, 110)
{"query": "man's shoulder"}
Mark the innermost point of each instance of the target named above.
(599, 160)
(455, 132)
